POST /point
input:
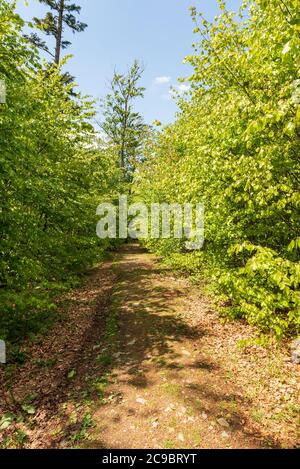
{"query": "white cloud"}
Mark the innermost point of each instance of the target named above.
(178, 90)
(162, 80)
(183, 88)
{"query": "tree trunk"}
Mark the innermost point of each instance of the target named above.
(124, 132)
(59, 31)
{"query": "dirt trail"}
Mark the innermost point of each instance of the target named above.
(140, 359)
(165, 390)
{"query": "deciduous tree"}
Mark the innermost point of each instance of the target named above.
(122, 125)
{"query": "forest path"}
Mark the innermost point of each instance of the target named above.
(164, 387)
(139, 358)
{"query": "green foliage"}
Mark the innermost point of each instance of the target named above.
(54, 173)
(190, 263)
(265, 290)
(82, 433)
(235, 148)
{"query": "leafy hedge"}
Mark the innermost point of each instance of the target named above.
(53, 176)
(235, 147)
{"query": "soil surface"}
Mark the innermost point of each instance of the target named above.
(140, 359)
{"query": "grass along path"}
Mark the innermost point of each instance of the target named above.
(141, 360)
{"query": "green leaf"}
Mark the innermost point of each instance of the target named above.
(71, 374)
(6, 421)
(29, 409)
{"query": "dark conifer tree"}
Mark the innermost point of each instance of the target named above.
(62, 14)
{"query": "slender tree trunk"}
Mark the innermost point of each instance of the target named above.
(123, 144)
(59, 31)
(122, 156)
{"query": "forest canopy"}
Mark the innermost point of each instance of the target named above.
(233, 147)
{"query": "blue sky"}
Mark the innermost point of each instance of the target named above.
(156, 32)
